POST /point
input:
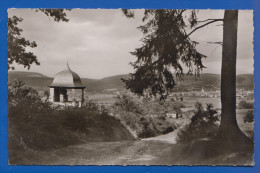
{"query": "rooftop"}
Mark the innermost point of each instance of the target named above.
(67, 79)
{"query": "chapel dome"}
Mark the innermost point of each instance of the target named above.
(67, 78)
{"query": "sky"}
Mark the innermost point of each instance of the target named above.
(97, 42)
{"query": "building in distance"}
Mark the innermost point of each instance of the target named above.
(67, 89)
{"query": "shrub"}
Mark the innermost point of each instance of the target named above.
(127, 103)
(168, 130)
(25, 97)
(203, 124)
(245, 105)
(136, 114)
(249, 117)
(150, 127)
(90, 105)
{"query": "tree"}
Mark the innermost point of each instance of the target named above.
(167, 46)
(229, 130)
(159, 55)
(18, 46)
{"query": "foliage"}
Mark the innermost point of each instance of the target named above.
(146, 117)
(249, 117)
(166, 47)
(127, 103)
(151, 127)
(57, 14)
(21, 97)
(245, 105)
(90, 105)
(18, 46)
(204, 124)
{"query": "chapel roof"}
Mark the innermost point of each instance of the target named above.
(67, 78)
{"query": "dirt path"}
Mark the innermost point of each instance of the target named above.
(142, 152)
(150, 151)
(168, 138)
(101, 153)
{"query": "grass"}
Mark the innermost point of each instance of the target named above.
(61, 128)
(127, 153)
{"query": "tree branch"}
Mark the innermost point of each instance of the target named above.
(210, 20)
(217, 42)
(216, 20)
(128, 13)
(182, 11)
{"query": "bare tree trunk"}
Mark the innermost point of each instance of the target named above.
(228, 70)
(229, 131)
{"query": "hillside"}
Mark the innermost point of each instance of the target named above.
(207, 81)
(245, 81)
(212, 81)
(47, 129)
(105, 83)
(32, 79)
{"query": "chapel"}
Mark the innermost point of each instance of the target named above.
(67, 88)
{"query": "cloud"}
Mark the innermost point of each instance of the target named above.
(97, 42)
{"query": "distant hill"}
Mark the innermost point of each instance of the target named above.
(32, 79)
(213, 81)
(41, 82)
(245, 81)
(207, 81)
(105, 83)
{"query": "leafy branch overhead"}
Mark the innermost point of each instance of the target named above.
(166, 48)
(18, 46)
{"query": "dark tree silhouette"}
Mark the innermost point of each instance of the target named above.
(167, 46)
(17, 45)
(229, 130)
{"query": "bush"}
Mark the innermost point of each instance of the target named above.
(127, 103)
(245, 105)
(25, 97)
(136, 114)
(151, 127)
(203, 124)
(249, 117)
(90, 105)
